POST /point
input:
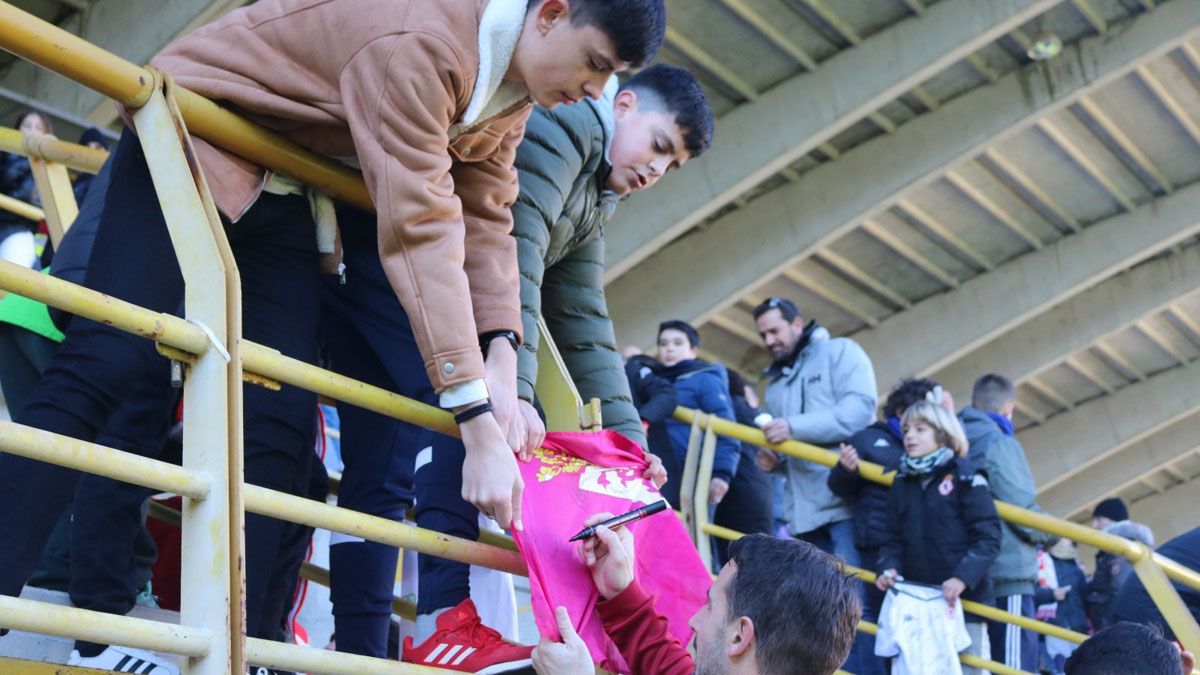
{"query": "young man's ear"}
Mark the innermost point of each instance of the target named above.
(549, 13)
(625, 102)
(741, 637)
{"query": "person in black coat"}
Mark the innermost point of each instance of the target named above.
(883, 444)
(1133, 603)
(749, 505)
(942, 527)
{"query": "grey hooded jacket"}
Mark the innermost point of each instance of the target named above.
(1015, 569)
(826, 393)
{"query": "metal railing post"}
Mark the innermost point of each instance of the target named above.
(211, 572)
(700, 503)
(687, 482)
(54, 187)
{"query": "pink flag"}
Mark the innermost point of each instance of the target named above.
(576, 475)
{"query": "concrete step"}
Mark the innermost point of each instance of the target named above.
(32, 647)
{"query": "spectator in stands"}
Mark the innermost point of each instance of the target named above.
(16, 181)
(748, 506)
(1062, 603)
(430, 99)
(1127, 648)
(1109, 511)
(1111, 573)
(703, 386)
(882, 443)
(942, 527)
(820, 391)
(988, 423)
(778, 607)
(574, 165)
(655, 400)
(1133, 603)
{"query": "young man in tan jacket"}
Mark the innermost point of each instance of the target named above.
(430, 100)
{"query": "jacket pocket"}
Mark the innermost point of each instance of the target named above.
(477, 146)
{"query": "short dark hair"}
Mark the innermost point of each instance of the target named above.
(674, 89)
(1124, 648)
(684, 327)
(787, 308)
(636, 27)
(737, 383)
(907, 392)
(991, 392)
(803, 604)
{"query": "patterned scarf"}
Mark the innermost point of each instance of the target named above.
(925, 464)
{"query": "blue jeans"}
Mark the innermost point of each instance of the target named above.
(370, 338)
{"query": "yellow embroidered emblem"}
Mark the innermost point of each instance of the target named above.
(555, 463)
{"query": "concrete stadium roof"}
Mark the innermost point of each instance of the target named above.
(905, 173)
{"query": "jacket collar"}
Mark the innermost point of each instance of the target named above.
(499, 29)
(604, 112)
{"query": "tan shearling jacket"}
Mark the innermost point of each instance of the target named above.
(390, 84)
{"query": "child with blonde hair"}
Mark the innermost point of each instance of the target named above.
(942, 527)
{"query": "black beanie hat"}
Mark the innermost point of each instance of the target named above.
(1112, 508)
(94, 134)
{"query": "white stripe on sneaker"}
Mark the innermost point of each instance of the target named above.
(466, 652)
(449, 655)
(436, 650)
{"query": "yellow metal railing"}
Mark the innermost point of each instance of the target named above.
(1153, 569)
(163, 124)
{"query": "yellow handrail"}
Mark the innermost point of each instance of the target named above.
(51, 149)
(20, 208)
(1014, 514)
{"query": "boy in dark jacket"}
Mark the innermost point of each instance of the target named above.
(703, 386)
(942, 527)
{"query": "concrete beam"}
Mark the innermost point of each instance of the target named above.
(1069, 444)
(132, 29)
(758, 140)
(790, 223)
(1079, 495)
(990, 304)
(1102, 310)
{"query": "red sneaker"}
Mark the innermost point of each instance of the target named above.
(461, 642)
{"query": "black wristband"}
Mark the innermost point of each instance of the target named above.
(473, 412)
(485, 340)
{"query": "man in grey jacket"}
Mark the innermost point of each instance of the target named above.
(821, 391)
(988, 423)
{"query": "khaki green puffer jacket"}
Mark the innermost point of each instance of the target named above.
(558, 222)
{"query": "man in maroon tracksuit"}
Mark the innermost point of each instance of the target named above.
(778, 607)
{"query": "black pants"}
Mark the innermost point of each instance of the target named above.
(388, 462)
(747, 506)
(97, 366)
